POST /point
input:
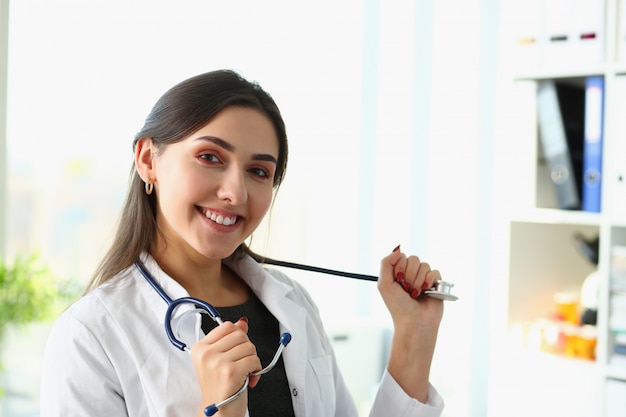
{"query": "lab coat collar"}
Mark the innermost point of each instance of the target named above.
(172, 288)
(273, 292)
(269, 290)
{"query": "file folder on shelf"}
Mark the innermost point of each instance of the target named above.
(572, 106)
(592, 162)
(558, 32)
(553, 138)
(588, 36)
(620, 43)
(526, 31)
(562, 34)
(614, 181)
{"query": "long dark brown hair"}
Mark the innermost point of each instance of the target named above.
(180, 112)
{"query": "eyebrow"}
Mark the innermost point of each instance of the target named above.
(230, 148)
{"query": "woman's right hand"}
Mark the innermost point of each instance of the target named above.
(222, 360)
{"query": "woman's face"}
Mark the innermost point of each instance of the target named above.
(214, 187)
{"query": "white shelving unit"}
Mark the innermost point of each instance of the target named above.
(540, 258)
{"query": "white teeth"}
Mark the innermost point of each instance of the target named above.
(219, 219)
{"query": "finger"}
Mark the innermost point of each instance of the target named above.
(423, 280)
(242, 323)
(431, 277)
(412, 269)
(387, 267)
(221, 332)
(400, 273)
(254, 379)
(407, 279)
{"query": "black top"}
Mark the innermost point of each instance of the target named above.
(271, 397)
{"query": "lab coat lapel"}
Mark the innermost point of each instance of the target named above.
(173, 289)
(277, 297)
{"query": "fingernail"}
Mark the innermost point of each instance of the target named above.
(400, 277)
(425, 285)
(397, 248)
(415, 293)
(244, 318)
(406, 286)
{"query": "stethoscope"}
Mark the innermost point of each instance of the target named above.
(440, 290)
(204, 308)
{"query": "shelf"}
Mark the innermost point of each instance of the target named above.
(556, 216)
(542, 259)
(555, 74)
(568, 72)
(616, 372)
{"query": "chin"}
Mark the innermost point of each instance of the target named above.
(221, 253)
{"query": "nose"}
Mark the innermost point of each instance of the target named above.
(233, 187)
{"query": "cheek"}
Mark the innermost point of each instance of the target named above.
(263, 203)
(186, 185)
(176, 193)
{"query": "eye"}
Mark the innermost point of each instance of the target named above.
(260, 172)
(209, 157)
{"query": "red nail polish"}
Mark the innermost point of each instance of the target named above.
(400, 277)
(415, 293)
(397, 248)
(406, 286)
(425, 286)
(244, 318)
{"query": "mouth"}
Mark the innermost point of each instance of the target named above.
(220, 219)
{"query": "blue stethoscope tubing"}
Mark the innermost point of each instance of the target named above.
(285, 338)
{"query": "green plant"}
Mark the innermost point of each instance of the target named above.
(29, 292)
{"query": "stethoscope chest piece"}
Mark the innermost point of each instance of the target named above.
(441, 291)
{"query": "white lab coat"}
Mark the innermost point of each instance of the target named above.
(108, 354)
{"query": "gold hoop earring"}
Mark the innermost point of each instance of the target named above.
(149, 187)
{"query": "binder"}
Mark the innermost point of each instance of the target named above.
(572, 106)
(615, 177)
(526, 29)
(558, 32)
(588, 36)
(592, 159)
(620, 43)
(555, 147)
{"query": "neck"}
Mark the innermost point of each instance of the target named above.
(203, 278)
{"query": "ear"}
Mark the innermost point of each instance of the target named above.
(145, 153)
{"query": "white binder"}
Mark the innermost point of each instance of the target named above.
(555, 147)
(615, 172)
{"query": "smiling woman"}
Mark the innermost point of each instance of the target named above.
(211, 179)
(195, 196)
(382, 127)
(174, 140)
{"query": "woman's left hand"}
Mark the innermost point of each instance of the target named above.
(416, 319)
(402, 283)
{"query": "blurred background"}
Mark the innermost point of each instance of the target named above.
(402, 118)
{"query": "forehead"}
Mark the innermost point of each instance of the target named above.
(242, 127)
